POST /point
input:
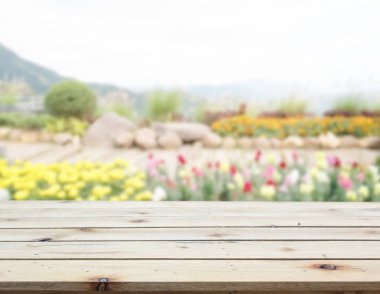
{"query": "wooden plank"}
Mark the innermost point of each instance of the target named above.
(195, 275)
(22, 211)
(188, 221)
(196, 292)
(188, 234)
(191, 250)
(215, 205)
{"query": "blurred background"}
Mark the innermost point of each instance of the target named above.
(212, 54)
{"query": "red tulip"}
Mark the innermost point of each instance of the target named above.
(233, 170)
(283, 165)
(247, 187)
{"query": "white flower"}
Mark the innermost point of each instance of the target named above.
(238, 178)
(363, 191)
(159, 194)
(4, 195)
(267, 191)
(306, 189)
(322, 177)
(294, 177)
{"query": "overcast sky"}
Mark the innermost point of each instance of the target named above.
(139, 43)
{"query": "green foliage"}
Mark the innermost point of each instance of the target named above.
(350, 103)
(67, 125)
(121, 109)
(8, 100)
(70, 99)
(377, 162)
(162, 105)
(24, 121)
(293, 105)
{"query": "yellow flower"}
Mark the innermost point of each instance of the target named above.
(351, 196)
(267, 191)
(21, 195)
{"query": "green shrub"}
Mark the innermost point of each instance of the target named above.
(67, 125)
(70, 99)
(162, 105)
(24, 121)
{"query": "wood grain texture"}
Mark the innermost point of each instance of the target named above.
(190, 234)
(181, 275)
(191, 250)
(190, 247)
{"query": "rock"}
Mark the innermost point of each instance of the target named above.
(349, 142)
(311, 143)
(197, 145)
(275, 143)
(104, 130)
(29, 137)
(76, 141)
(4, 133)
(15, 135)
(124, 140)
(187, 131)
(293, 142)
(169, 140)
(370, 142)
(211, 140)
(245, 143)
(329, 141)
(229, 143)
(261, 142)
(145, 138)
(46, 137)
(4, 195)
(62, 138)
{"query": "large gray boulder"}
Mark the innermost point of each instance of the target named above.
(329, 141)
(293, 142)
(211, 140)
(371, 142)
(124, 140)
(169, 140)
(104, 130)
(145, 138)
(188, 131)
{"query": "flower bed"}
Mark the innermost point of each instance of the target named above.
(80, 181)
(266, 178)
(359, 126)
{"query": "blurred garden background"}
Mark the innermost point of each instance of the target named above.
(199, 119)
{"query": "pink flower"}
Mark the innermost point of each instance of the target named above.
(181, 159)
(361, 177)
(345, 183)
(233, 170)
(258, 155)
(334, 161)
(269, 172)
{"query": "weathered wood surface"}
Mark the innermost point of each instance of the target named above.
(189, 247)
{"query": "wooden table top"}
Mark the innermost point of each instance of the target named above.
(203, 247)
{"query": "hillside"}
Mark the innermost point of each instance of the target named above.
(38, 77)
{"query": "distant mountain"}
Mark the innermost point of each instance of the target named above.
(37, 77)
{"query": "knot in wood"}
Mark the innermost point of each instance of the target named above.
(330, 267)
